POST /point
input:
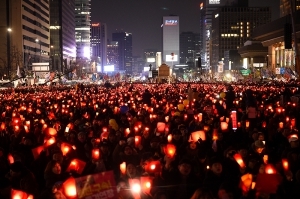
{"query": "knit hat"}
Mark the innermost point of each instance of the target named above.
(185, 161)
(214, 160)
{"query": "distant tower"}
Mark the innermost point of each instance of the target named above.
(238, 30)
(113, 55)
(99, 43)
(171, 40)
(124, 40)
(62, 34)
(83, 28)
(285, 7)
(189, 48)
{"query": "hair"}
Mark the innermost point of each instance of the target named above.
(50, 166)
(202, 193)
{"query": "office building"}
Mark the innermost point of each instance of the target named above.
(206, 15)
(170, 54)
(83, 29)
(99, 43)
(230, 33)
(28, 38)
(113, 54)
(62, 35)
(189, 48)
(285, 6)
(124, 40)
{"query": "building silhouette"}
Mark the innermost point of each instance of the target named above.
(99, 43)
(285, 6)
(113, 54)
(170, 54)
(83, 29)
(230, 33)
(124, 40)
(62, 34)
(28, 38)
(189, 47)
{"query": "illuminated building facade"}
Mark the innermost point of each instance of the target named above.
(171, 51)
(230, 33)
(124, 40)
(99, 43)
(83, 29)
(62, 34)
(28, 40)
(285, 6)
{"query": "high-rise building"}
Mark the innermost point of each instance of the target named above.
(113, 54)
(27, 38)
(62, 34)
(124, 40)
(83, 29)
(189, 47)
(230, 33)
(99, 43)
(95, 41)
(285, 6)
(206, 15)
(170, 54)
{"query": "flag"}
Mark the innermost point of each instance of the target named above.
(18, 72)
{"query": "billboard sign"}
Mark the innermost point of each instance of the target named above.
(214, 1)
(109, 68)
(170, 58)
(171, 22)
(151, 60)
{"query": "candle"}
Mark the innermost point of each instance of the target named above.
(234, 120)
(69, 188)
(169, 138)
(265, 159)
(200, 117)
(95, 154)
(123, 168)
(170, 150)
(167, 118)
(285, 164)
(127, 132)
(137, 140)
(281, 125)
(269, 169)
(239, 160)
(247, 123)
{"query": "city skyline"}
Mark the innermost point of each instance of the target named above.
(144, 18)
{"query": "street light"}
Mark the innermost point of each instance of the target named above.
(8, 50)
(38, 41)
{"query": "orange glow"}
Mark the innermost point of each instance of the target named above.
(51, 131)
(69, 188)
(123, 168)
(269, 169)
(224, 126)
(137, 140)
(281, 125)
(170, 150)
(197, 135)
(127, 131)
(169, 138)
(95, 154)
(10, 159)
(247, 123)
(238, 158)
(285, 164)
(200, 117)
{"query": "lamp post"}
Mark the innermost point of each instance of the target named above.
(8, 51)
(8, 35)
(38, 41)
(297, 51)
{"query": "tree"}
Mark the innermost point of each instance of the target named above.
(16, 59)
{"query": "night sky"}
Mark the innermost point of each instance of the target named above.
(143, 18)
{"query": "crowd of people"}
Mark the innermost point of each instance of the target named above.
(206, 141)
